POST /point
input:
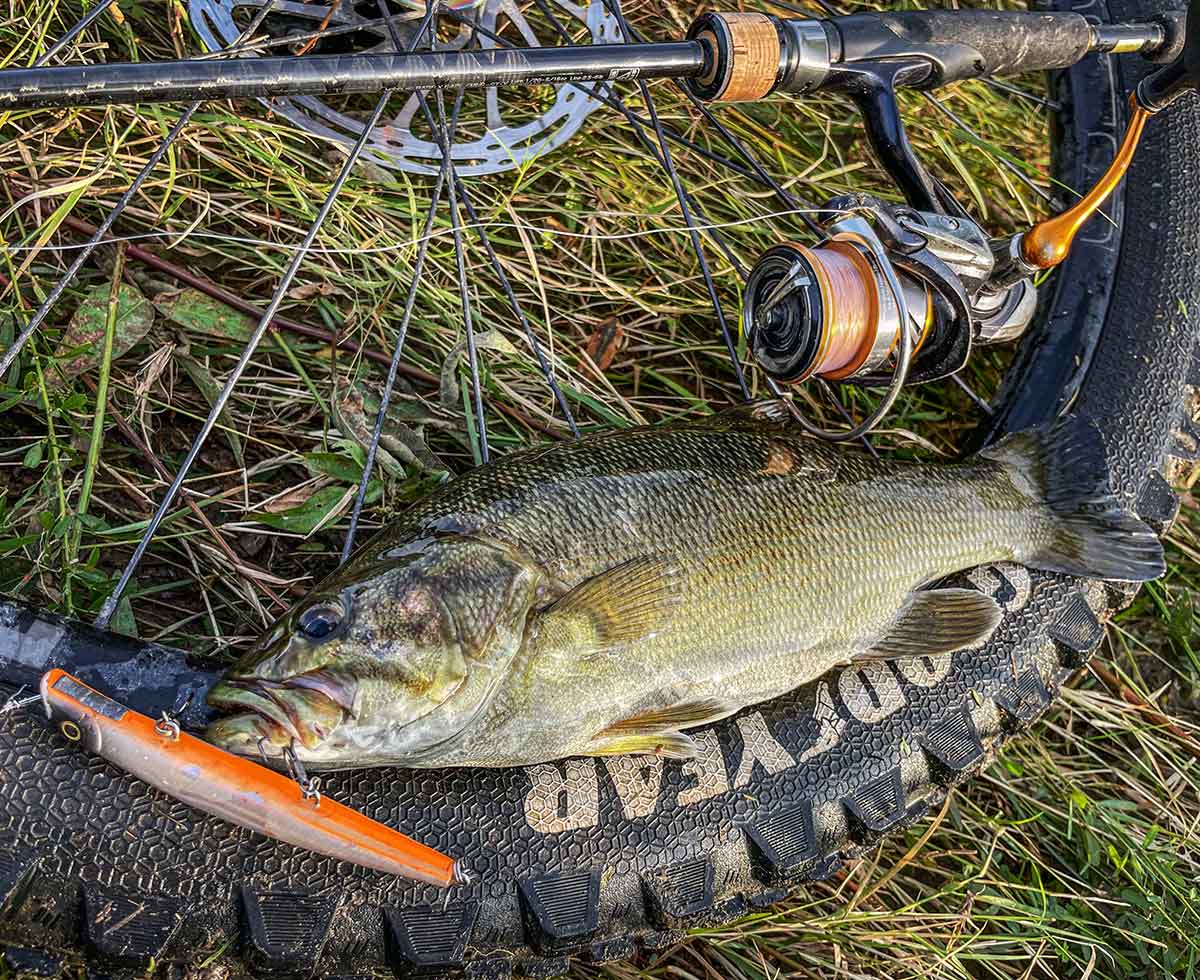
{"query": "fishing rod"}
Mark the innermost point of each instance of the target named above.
(726, 57)
(892, 295)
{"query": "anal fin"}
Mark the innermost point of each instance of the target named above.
(935, 622)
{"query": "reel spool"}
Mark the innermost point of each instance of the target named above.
(892, 301)
(829, 312)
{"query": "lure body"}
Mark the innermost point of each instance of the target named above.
(233, 788)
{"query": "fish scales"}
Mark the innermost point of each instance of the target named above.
(605, 595)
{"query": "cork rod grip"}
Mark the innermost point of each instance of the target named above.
(745, 52)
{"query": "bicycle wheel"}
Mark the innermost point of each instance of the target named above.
(584, 858)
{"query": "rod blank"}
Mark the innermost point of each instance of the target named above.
(203, 79)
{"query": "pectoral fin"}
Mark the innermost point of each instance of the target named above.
(936, 622)
(629, 602)
(686, 714)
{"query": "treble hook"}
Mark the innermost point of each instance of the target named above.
(310, 786)
(16, 702)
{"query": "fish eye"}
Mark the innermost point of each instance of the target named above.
(317, 622)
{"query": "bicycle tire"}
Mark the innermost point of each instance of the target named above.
(588, 858)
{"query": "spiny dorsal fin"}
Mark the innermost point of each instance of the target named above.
(937, 621)
(772, 413)
(669, 745)
(631, 601)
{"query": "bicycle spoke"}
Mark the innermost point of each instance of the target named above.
(506, 286)
(640, 126)
(110, 604)
(681, 196)
(331, 31)
(742, 150)
(445, 140)
(409, 304)
(1038, 100)
(966, 128)
(389, 20)
(615, 102)
(85, 252)
(105, 226)
(394, 367)
(970, 393)
(697, 244)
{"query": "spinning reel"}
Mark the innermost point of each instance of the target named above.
(892, 296)
(899, 294)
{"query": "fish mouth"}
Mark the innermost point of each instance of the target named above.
(303, 710)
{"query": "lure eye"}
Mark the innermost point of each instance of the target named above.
(317, 622)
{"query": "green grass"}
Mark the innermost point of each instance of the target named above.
(1075, 855)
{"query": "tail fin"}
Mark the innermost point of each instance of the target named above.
(1090, 533)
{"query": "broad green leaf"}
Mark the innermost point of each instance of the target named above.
(122, 620)
(8, 545)
(309, 515)
(194, 311)
(335, 465)
(82, 345)
(33, 455)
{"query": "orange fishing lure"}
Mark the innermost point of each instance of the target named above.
(233, 788)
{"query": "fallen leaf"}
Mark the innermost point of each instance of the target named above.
(82, 345)
(603, 344)
(354, 414)
(308, 516)
(311, 289)
(296, 497)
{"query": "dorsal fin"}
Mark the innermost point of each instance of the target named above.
(760, 415)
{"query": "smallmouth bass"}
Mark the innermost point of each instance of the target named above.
(603, 596)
